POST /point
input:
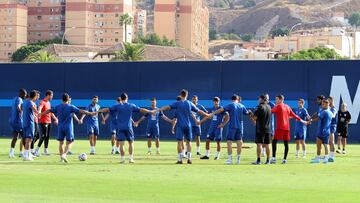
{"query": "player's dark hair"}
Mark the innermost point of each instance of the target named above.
(124, 96)
(195, 96)
(263, 97)
(22, 93)
(178, 98)
(331, 98)
(302, 100)
(95, 97)
(65, 97)
(33, 94)
(320, 97)
(216, 99)
(184, 93)
(48, 92)
(325, 101)
(118, 99)
(234, 97)
(281, 97)
(153, 99)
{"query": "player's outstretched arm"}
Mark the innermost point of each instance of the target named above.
(136, 123)
(167, 119)
(164, 108)
(87, 113)
(204, 119)
(145, 111)
(217, 112)
(77, 119)
(44, 112)
(104, 110)
(225, 121)
(106, 117)
(202, 113)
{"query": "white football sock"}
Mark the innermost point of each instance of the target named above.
(11, 150)
(198, 149)
(217, 154)
(131, 156)
(26, 153)
(332, 154)
(149, 149)
(297, 152)
(229, 157)
(189, 155)
(180, 156)
(304, 152)
(207, 153)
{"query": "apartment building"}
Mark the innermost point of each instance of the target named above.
(46, 19)
(186, 21)
(96, 22)
(140, 22)
(13, 27)
(344, 43)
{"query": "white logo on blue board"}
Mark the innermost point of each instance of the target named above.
(339, 90)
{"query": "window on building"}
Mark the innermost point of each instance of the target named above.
(116, 39)
(116, 15)
(39, 17)
(101, 40)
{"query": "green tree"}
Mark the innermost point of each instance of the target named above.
(318, 53)
(283, 31)
(354, 19)
(154, 39)
(247, 37)
(124, 21)
(41, 57)
(212, 34)
(23, 52)
(131, 52)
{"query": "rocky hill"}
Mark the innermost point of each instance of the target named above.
(261, 16)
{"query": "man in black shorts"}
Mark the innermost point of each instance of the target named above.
(262, 119)
(344, 118)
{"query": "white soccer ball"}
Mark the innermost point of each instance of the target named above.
(82, 157)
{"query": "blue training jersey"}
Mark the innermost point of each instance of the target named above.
(236, 112)
(64, 113)
(272, 105)
(92, 120)
(113, 118)
(124, 113)
(16, 117)
(153, 119)
(183, 112)
(216, 120)
(28, 113)
(303, 114)
(197, 116)
(325, 117)
(334, 118)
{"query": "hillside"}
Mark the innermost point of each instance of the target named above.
(267, 14)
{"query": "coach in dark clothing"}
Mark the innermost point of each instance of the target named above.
(262, 119)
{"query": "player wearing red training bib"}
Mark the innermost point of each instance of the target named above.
(283, 114)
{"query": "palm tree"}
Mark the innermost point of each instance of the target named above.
(130, 52)
(41, 57)
(125, 20)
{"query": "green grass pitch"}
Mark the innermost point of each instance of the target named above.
(156, 178)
